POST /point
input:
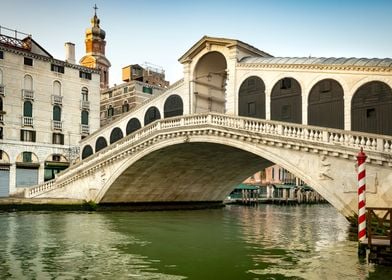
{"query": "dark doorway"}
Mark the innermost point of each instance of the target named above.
(173, 106)
(100, 144)
(87, 151)
(151, 115)
(116, 135)
(133, 125)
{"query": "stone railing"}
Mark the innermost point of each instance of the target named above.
(84, 105)
(27, 121)
(57, 125)
(27, 94)
(286, 133)
(57, 99)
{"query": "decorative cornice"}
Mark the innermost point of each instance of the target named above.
(50, 60)
(316, 67)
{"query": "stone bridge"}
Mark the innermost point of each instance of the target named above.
(201, 157)
(237, 110)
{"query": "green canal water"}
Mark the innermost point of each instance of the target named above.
(234, 242)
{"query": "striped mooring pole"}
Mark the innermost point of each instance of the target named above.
(361, 158)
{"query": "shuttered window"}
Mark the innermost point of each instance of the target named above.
(26, 177)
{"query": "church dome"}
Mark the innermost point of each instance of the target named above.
(95, 30)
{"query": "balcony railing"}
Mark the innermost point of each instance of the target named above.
(57, 125)
(2, 90)
(27, 121)
(85, 105)
(84, 129)
(57, 100)
(27, 94)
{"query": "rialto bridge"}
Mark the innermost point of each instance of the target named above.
(237, 110)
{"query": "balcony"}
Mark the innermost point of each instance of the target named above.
(27, 121)
(2, 90)
(85, 105)
(57, 125)
(84, 129)
(57, 100)
(27, 94)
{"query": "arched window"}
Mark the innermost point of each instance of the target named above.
(125, 107)
(286, 101)
(100, 144)
(252, 98)
(116, 135)
(28, 109)
(151, 115)
(28, 82)
(173, 106)
(1, 104)
(1, 77)
(133, 125)
(87, 151)
(85, 117)
(110, 111)
(371, 108)
(84, 94)
(56, 113)
(56, 88)
(326, 104)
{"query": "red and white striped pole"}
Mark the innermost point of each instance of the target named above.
(361, 157)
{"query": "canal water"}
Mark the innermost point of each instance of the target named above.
(234, 242)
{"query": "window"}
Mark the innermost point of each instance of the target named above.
(110, 111)
(28, 61)
(286, 112)
(27, 135)
(1, 132)
(125, 107)
(57, 68)
(85, 117)
(273, 173)
(27, 157)
(85, 75)
(56, 157)
(326, 86)
(1, 104)
(27, 109)
(286, 83)
(84, 94)
(1, 154)
(251, 109)
(147, 90)
(56, 88)
(56, 113)
(1, 55)
(58, 138)
(125, 89)
(28, 82)
(371, 113)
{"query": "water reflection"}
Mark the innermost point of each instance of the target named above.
(265, 242)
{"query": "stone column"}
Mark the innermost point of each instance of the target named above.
(12, 182)
(231, 106)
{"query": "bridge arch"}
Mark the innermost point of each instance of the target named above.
(326, 104)
(251, 98)
(87, 151)
(116, 135)
(152, 114)
(209, 79)
(100, 144)
(173, 106)
(286, 101)
(133, 125)
(371, 108)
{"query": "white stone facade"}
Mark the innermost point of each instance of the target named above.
(44, 89)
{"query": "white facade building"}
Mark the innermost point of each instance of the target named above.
(46, 107)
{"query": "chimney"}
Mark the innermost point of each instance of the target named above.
(70, 52)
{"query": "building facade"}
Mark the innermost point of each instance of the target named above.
(141, 84)
(46, 107)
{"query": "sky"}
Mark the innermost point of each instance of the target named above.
(161, 31)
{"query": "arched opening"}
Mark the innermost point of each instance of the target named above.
(84, 119)
(84, 94)
(210, 83)
(56, 113)
(28, 82)
(100, 144)
(87, 151)
(116, 135)
(27, 165)
(371, 108)
(133, 125)
(251, 97)
(110, 111)
(56, 88)
(326, 104)
(151, 115)
(4, 174)
(173, 106)
(28, 109)
(54, 164)
(286, 102)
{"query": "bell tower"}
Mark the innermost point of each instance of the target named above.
(95, 50)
